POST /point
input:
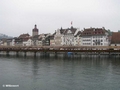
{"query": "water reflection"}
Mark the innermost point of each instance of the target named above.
(61, 73)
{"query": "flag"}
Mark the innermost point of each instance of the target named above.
(71, 22)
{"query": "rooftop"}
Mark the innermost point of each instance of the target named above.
(35, 28)
(115, 38)
(93, 31)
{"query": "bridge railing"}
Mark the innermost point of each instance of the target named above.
(59, 48)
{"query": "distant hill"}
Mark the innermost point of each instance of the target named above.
(4, 36)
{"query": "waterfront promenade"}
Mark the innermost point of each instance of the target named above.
(56, 49)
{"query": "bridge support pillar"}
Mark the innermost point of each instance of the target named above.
(24, 54)
(109, 54)
(99, 54)
(17, 53)
(34, 54)
(7, 53)
(46, 54)
(55, 54)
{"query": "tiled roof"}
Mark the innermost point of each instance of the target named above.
(24, 35)
(54, 33)
(88, 31)
(115, 38)
(64, 31)
(52, 37)
(25, 39)
(40, 39)
(93, 31)
(18, 40)
(79, 33)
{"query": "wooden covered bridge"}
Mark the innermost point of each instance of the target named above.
(56, 49)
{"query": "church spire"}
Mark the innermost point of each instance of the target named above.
(35, 26)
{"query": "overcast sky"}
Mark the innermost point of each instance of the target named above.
(20, 16)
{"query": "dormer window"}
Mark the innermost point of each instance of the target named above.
(69, 31)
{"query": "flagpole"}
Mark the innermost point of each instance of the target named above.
(71, 23)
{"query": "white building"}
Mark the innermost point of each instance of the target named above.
(66, 37)
(27, 42)
(95, 37)
(77, 39)
(58, 37)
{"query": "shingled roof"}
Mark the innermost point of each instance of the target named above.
(64, 31)
(93, 31)
(24, 36)
(78, 34)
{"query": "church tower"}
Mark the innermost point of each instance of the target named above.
(35, 31)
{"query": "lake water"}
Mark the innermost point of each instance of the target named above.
(50, 73)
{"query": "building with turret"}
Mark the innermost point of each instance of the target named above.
(35, 31)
